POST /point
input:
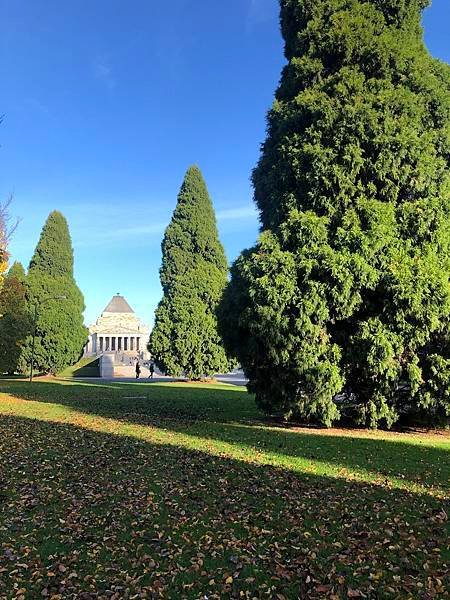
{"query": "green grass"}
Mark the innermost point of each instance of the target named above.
(152, 490)
(87, 366)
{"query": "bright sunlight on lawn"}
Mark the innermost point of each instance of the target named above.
(185, 491)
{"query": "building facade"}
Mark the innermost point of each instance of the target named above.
(118, 330)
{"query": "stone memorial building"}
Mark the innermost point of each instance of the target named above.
(118, 330)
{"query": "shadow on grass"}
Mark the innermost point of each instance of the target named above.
(91, 513)
(228, 416)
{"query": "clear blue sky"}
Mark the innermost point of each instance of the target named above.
(107, 103)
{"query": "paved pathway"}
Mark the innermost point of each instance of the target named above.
(235, 378)
(128, 375)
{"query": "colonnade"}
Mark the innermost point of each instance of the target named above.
(116, 343)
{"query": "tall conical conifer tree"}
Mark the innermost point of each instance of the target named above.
(15, 321)
(193, 276)
(60, 333)
(347, 294)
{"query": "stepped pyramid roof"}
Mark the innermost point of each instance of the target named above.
(118, 304)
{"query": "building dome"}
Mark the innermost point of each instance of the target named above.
(118, 304)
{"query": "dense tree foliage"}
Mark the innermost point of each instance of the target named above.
(52, 290)
(193, 276)
(343, 305)
(15, 321)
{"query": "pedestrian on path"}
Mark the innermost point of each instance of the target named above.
(152, 370)
(138, 369)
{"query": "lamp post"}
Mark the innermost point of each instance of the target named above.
(35, 316)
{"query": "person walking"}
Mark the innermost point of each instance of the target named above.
(152, 370)
(138, 369)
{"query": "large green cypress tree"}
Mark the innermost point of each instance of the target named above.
(60, 332)
(343, 306)
(193, 275)
(15, 321)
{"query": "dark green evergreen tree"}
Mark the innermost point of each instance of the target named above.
(60, 333)
(15, 321)
(344, 303)
(193, 276)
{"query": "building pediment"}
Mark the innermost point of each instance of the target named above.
(114, 331)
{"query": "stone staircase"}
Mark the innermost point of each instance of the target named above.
(129, 371)
(121, 364)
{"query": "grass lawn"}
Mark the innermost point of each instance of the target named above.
(87, 366)
(153, 490)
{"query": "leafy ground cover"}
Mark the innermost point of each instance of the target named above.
(146, 490)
